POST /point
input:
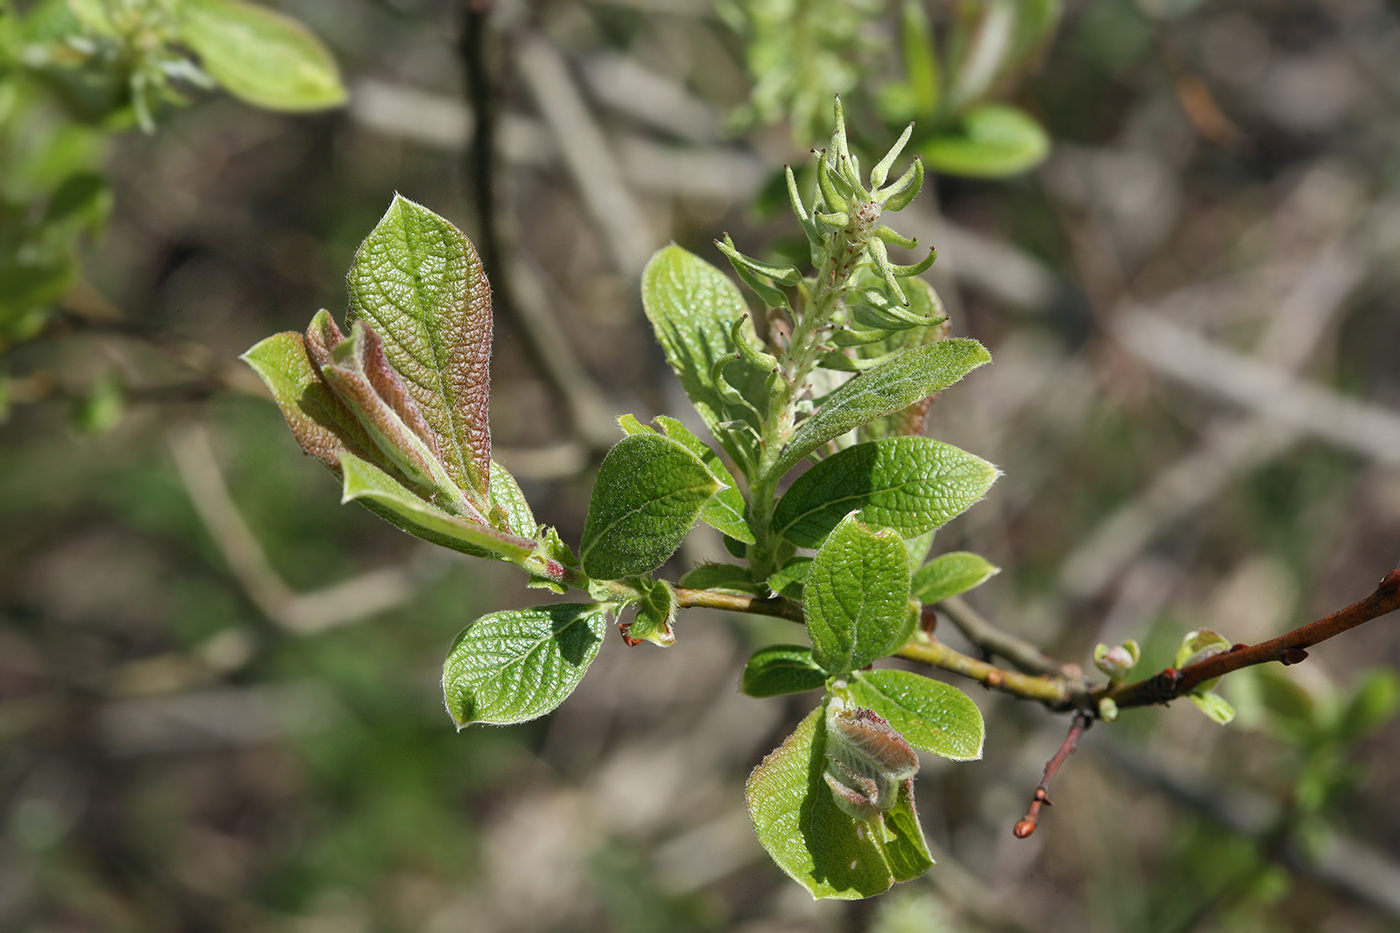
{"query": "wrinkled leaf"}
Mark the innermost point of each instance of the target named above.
(930, 714)
(512, 666)
(359, 374)
(260, 56)
(649, 492)
(894, 385)
(831, 854)
(781, 669)
(320, 423)
(856, 598)
(419, 284)
(910, 484)
(951, 574)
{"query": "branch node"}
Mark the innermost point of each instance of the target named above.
(1292, 656)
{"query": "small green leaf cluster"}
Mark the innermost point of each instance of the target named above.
(837, 376)
(73, 73)
(1197, 646)
(952, 80)
(142, 47)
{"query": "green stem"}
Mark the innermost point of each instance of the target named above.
(818, 301)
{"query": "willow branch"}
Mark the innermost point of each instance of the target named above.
(1290, 648)
(1023, 655)
(776, 606)
(1041, 797)
(1058, 693)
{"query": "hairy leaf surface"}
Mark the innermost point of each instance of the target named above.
(856, 597)
(650, 490)
(385, 496)
(894, 385)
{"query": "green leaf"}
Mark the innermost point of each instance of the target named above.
(386, 497)
(830, 853)
(1215, 706)
(656, 612)
(910, 484)
(323, 426)
(359, 374)
(894, 385)
(419, 284)
(992, 141)
(725, 510)
(918, 548)
(262, 57)
(508, 667)
(950, 575)
(692, 307)
(788, 579)
(930, 714)
(781, 669)
(730, 578)
(856, 598)
(511, 511)
(649, 491)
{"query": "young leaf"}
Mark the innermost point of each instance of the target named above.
(656, 612)
(320, 423)
(725, 510)
(508, 667)
(361, 377)
(951, 574)
(262, 57)
(649, 491)
(510, 510)
(692, 307)
(856, 598)
(781, 669)
(892, 386)
(994, 140)
(867, 761)
(419, 284)
(930, 714)
(386, 497)
(788, 579)
(830, 853)
(910, 484)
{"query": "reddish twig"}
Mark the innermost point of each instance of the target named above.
(1081, 723)
(1290, 648)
